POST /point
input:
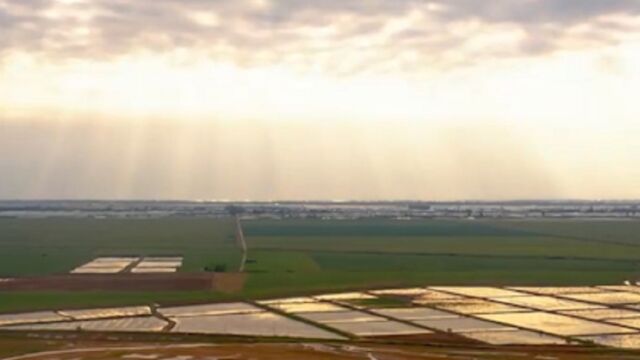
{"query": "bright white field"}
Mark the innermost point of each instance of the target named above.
(556, 324)
(118, 264)
(145, 263)
(489, 292)
(603, 314)
(106, 312)
(632, 322)
(209, 309)
(306, 307)
(96, 270)
(33, 317)
(608, 298)
(107, 262)
(401, 292)
(146, 270)
(104, 265)
(293, 300)
(346, 296)
(548, 303)
(462, 325)
(473, 306)
(432, 296)
(71, 325)
(340, 316)
(136, 324)
(415, 313)
(559, 290)
(129, 324)
(378, 328)
(516, 337)
(258, 324)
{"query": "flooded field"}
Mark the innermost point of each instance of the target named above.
(346, 296)
(98, 270)
(106, 312)
(304, 307)
(70, 326)
(209, 309)
(461, 325)
(473, 306)
(415, 291)
(378, 328)
(432, 296)
(416, 313)
(556, 324)
(608, 298)
(603, 314)
(158, 265)
(489, 292)
(489, 315)
(548, 303)
(34, 317)
(153, 270)
(631, 322)
(136, 324)
(549, 290)
(293, 300)
(516, 337)
(340, 316)
(258, 324)
(105, 265)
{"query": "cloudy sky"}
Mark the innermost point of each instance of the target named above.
(325, 99)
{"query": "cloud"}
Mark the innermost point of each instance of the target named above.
(333, 35)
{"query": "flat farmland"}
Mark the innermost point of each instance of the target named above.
(54, 246)
(526, 239)
(612, 232)
(297, 257)
(323, 255)
(36, 300)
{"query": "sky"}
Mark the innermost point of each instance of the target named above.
(320, 100)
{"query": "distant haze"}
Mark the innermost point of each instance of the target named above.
(311, 161)
(263, 100)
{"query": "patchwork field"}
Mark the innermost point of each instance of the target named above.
(424, 316)
(298, 257)
(57, 246)
(318, 255)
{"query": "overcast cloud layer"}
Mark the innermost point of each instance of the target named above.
(319, 99)
(333, 35)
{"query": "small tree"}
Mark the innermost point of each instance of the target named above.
(220, 268)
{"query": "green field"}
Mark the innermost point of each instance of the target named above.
(311, 254)
(292, 257)
(49, 246)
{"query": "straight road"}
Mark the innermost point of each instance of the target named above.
(241, 243)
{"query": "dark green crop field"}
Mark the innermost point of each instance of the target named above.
(297, 254)
(47, 246)
(593, 240)
(292, 257)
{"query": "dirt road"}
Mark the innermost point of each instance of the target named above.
(241, 243)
